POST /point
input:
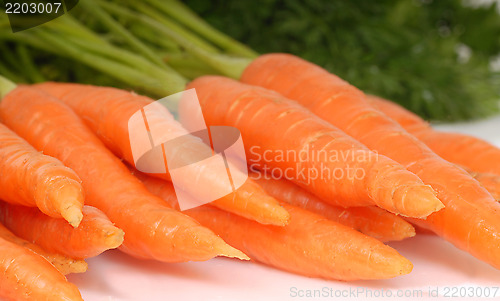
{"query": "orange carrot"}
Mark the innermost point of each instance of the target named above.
(471, 152)
(369, 220)
(25, 275)
(32, 179)
(107, 112)
(153, 230)
(489, 181)
(310, 245)
(422, 130)
(63, 264)
(408, 120)
(95, 234)
(274, 128)
(471, 217)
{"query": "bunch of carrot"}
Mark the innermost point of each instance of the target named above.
(66, 153)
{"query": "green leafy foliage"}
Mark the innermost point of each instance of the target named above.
(403, 50)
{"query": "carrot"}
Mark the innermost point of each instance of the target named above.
(489, 181)
(471, 152)
(364, 179)
(32, 179)
(95, 234)
(370, 220)
(153, 230)
(107, 112)
(471, 217)
(309, 244)
(408, 120)
(63, 264)
(25, 275)
(421, 129)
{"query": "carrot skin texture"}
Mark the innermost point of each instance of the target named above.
(33, 179)
(25, 275)
(369, 220)
(152, 229)
(385, 182)
(465, 150)
(95, 234)
(490, 182)
(469, 221)
(92, 104)
(458, 148)
(62, 263)
(451, 147)
(309, 245)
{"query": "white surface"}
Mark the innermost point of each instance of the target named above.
(437, 264)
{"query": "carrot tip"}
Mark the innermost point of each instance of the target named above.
(280, 217)
(406, 267)
(73, 215)
(227, 251)
(115, 238)
(403, 230)
(410, 232)
(75, 267)
(421, 203)
(80, 266)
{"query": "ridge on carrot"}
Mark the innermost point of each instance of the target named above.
(465, 150)
(95, 234)
(92, 103)
(63, 264)
(469, 220)
(25, 275)
(369, 220)
(152, 229)
(33, 179)
(383, 182)
(310, 244)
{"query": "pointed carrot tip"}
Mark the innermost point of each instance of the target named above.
(404, 230)
(73, 215)
(114, 238)
(411, 232)
(275, 216)
(422, 203)
(406, 267)
(79, 267)
(227, 251)
(282, 217)
(73, 267)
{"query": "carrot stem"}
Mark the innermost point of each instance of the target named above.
(95, 9)
(9, 74)
(181, 13)
(5, 86)
(28, 65)
(151, 12)
(125, 73)
(227, 65)
(124, 56)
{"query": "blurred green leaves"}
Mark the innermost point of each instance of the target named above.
(403, 50)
